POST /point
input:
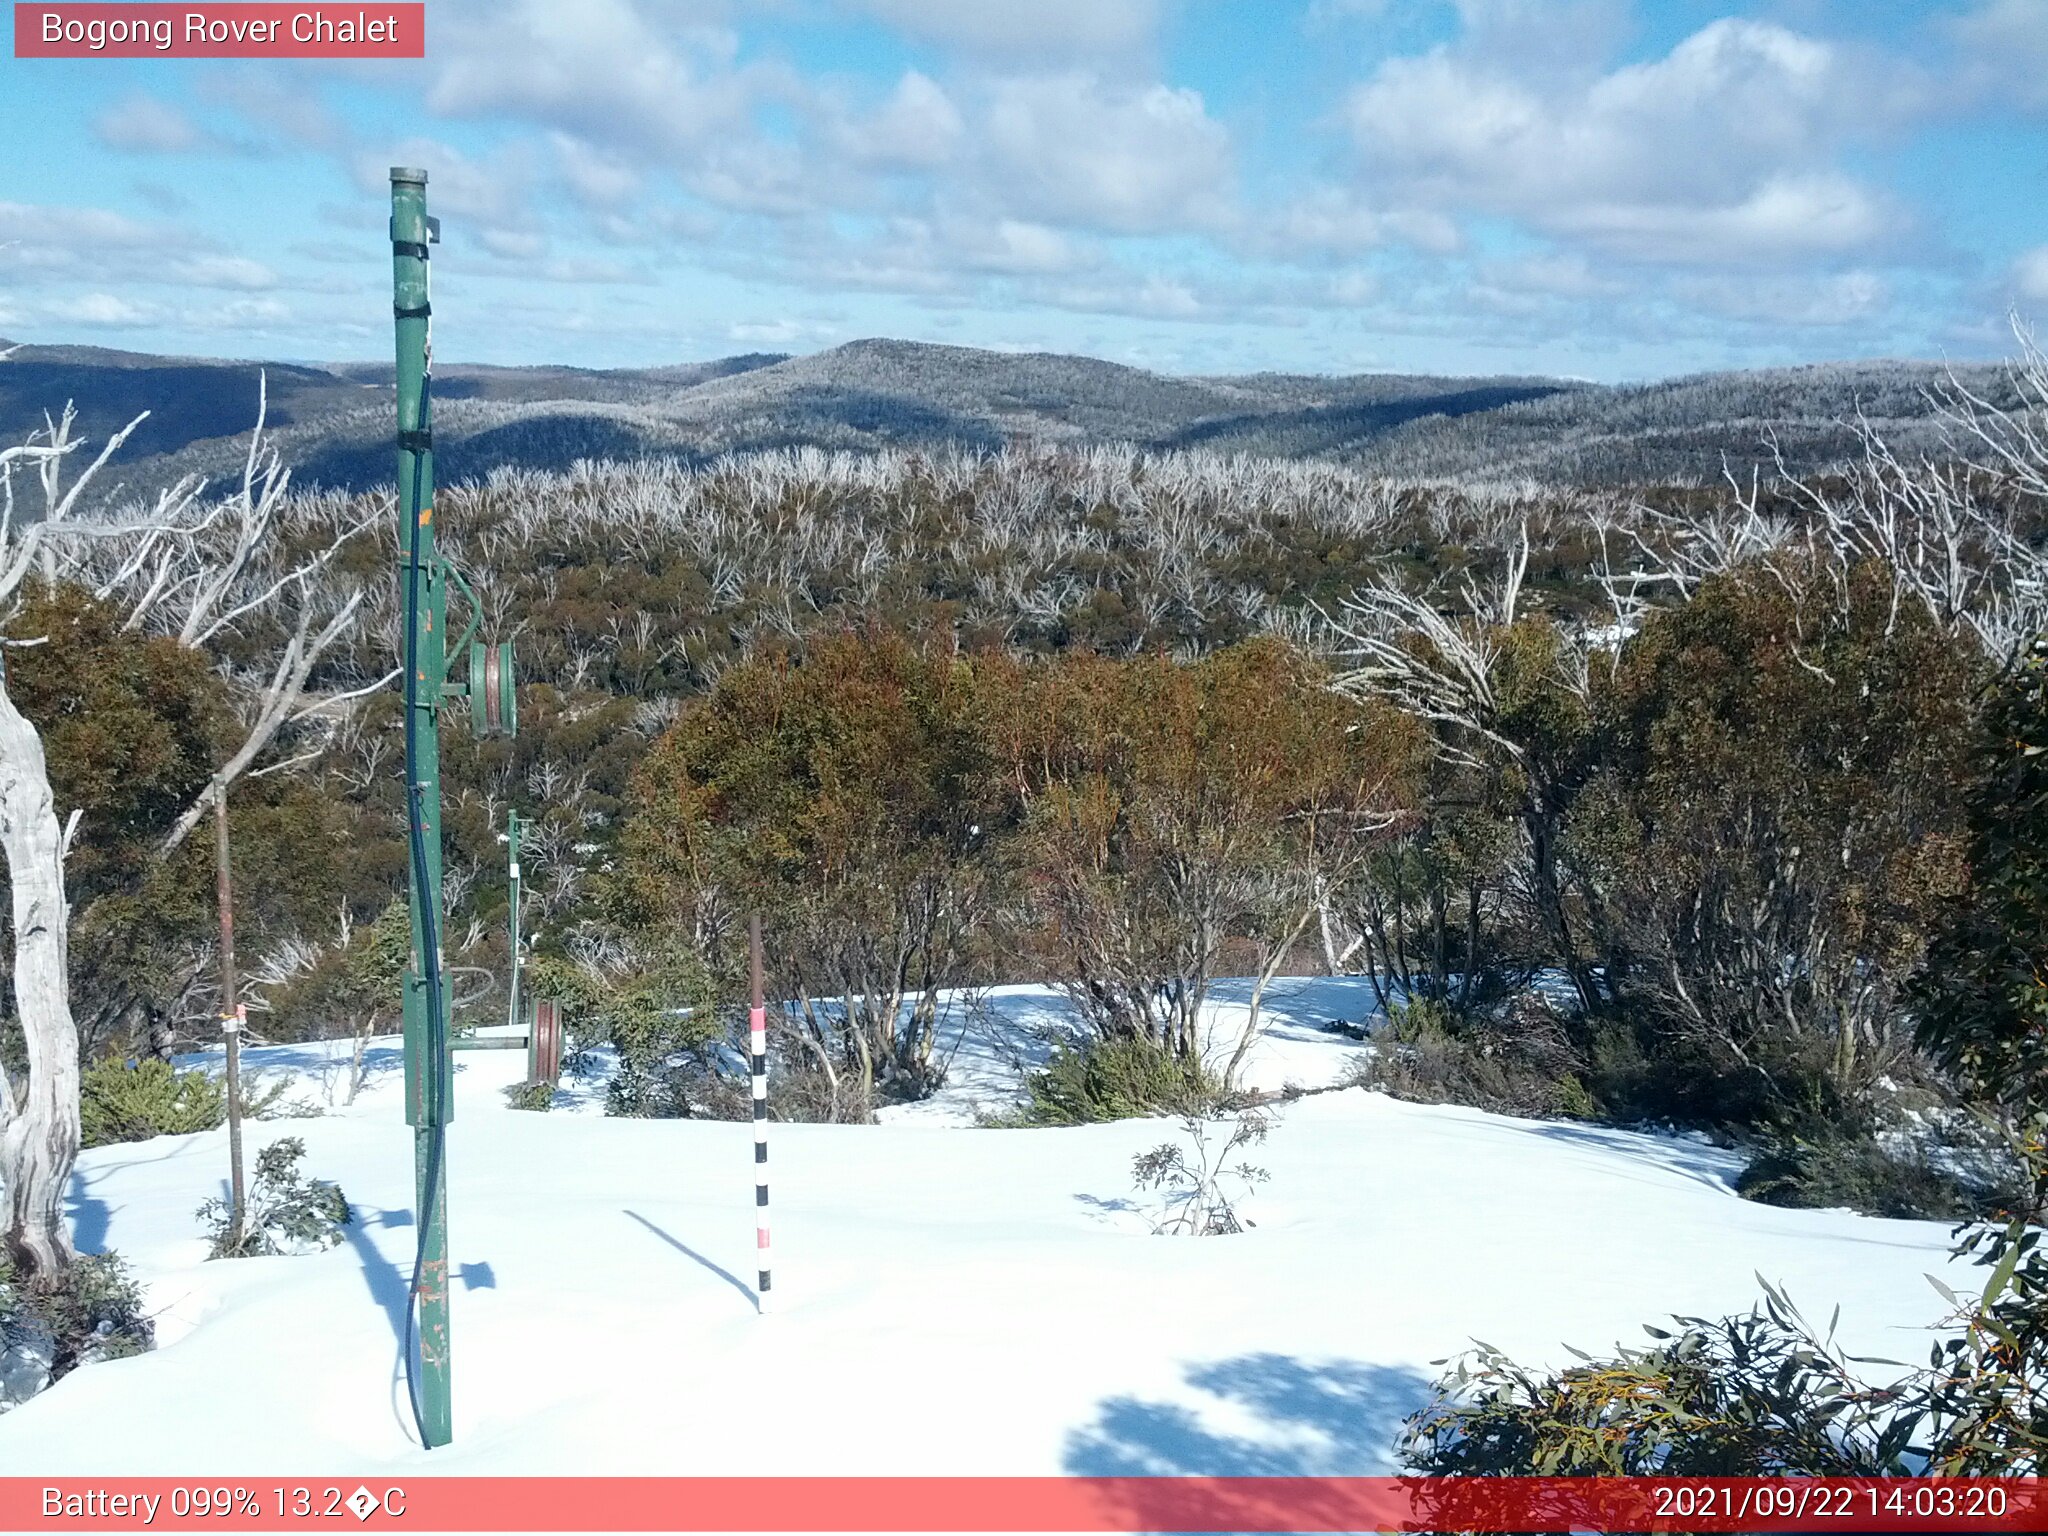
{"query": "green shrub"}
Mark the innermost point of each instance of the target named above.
(286, 1214)
(1524, 1065)
(1420, 1020)
(537, 1093)
(1767, 1395)
(1117, 1079)
(1864, 1175)
(1760, 1395)
(1982, 995)
(133, 1101)
(92, 1311)
(121, 1101)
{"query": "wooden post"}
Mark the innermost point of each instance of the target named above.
(231, 1014)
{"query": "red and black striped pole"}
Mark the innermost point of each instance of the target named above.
(757, 1028)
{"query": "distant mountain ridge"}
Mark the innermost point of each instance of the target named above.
(334, 425)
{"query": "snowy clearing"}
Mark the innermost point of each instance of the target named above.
(948, 1299)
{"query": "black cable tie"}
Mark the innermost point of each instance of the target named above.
(412, 311)
(409, 248)
(416, 442)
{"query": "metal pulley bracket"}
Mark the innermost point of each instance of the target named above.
(493, 689)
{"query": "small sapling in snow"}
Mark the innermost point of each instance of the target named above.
(1199, 1188)
(286, 1214)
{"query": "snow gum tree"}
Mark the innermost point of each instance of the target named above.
(1982, 996)
(848, 798)
(1777, 817)
(1170, 809)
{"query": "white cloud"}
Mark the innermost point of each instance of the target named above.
(1556, 275)
(602, 70)
(597, 178)
(35, 234)
(486, 195)
(782, 332)
(589, 270)
(283, 113)
(513, 244)
(48, 246)
(1167, 298)
(918, 126)
(1322, 13)
(222, 272)
(141, 124)
(98, 309)
(1155, 296)
(1784, 217)
(1718, 151)
(1565, 39)
(1837, 300)
(1071, 149)
(1337, 219)
(2004, 47)
(1012, 246)
(1349, 290)
(2030, 275)
(1022, 28)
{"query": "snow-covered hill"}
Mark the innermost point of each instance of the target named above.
(949, 1299)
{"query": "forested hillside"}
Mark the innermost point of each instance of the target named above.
(331, 422)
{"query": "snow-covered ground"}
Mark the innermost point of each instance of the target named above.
(948, 1299)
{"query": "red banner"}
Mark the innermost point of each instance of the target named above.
(976, 1504)
(371, 30)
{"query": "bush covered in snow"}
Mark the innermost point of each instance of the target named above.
(286, 1214)
(92, 1311)
(535, 1093)
(1526, 1063)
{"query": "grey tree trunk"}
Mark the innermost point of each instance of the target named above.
(39, 1135)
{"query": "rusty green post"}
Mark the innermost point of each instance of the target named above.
(424, 596)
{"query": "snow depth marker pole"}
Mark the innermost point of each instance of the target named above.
(757, 1029)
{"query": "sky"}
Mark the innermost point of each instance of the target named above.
(1608, 189)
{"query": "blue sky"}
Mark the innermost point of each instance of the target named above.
(1613, 189)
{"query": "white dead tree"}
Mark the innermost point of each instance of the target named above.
(1444, 664)
(1949, 531)
(207, 567)
(235, 571)
(39, 1119)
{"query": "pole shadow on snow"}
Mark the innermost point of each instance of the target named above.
(1330, 1419)
(89, 1215)
(688, 1252)
(390, 1284)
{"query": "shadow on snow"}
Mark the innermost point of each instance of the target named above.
(1267, 1415)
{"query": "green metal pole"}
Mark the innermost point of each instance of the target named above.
(428, 1067)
